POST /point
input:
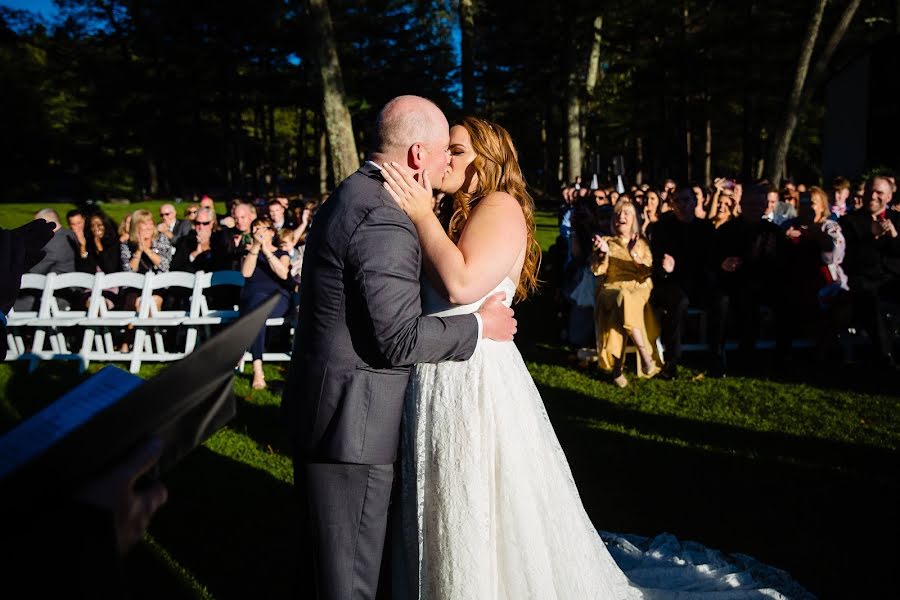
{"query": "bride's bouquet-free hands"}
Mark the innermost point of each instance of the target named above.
(416, 198)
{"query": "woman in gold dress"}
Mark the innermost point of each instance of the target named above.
(622, 308)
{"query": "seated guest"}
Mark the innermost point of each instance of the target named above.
(59, 253)
(205, 248)
(683, 276)
(170, 225)
(101, 252)
(76, 222)
(872, 262)
(622, 306)
(146, 251)
(190, 212)
(267, 271)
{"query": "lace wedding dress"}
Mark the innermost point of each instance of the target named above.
(490, 510)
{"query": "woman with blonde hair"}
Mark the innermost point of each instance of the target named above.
(622, 307)
(146, 250)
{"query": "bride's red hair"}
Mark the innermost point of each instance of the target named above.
(497, 165)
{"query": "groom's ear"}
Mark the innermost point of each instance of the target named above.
(415, 157)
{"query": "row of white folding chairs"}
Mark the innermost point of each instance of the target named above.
(99, 321)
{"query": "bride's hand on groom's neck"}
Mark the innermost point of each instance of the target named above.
(415, 198)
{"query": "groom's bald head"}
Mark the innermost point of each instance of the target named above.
(406, 120)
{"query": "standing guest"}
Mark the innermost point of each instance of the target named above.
(278, 215)
(840, 194)
(622, 307)
(266, 270)
(684, 276)
(651, 212)
(170, 225)
(872, 262)
(703, 210)
(146, 251)
(723, 209)
(668, 191)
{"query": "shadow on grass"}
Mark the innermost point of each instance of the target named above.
(232, 526)
(808, 451)
(827, 528)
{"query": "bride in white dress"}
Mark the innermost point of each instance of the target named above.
(490, 508)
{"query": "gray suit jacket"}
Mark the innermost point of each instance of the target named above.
(59, 254)
(361, 328)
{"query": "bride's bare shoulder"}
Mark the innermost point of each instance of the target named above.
(499, 204)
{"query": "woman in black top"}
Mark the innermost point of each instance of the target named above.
(266, 270)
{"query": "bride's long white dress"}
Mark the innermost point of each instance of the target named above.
(490, 509)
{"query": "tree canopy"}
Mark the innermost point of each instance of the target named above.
(168, 98)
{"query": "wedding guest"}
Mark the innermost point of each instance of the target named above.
(684, 276)
(125, 229)
(170, 225)
(840, 194)
(205, 248)
(622, 307)
(277, 214)
(651, 212)
(872, 263)
(101, 253)
(146, 251)
(266, 270)
(190, 212)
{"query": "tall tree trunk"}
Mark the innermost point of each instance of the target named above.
(639, 163)
(323, 162)
(688, 150)
(152, 174)
(574, 154)
(707, 160)
(338, 124)
(594, 73)
(467, 27)
(782, 140)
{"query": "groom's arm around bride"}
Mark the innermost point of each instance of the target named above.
(360, 328)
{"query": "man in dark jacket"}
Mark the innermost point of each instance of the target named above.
(684, 276)
(872, 262)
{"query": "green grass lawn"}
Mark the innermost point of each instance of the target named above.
(795, 465)
(15, 214)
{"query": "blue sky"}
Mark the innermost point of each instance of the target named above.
(44, 7)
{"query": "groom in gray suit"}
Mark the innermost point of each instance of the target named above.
(360, 329)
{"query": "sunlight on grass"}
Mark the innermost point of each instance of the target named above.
(751, 404)
(244, 449)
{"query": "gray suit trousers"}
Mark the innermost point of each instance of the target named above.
(346, 509)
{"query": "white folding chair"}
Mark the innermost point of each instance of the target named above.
(152, 318)
(98, 343)
(18, 320)
(207, 283)
(56, 318)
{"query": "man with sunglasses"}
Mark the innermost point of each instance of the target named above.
(205, 248)
(170, 225)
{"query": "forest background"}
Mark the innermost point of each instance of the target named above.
(139, 99)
